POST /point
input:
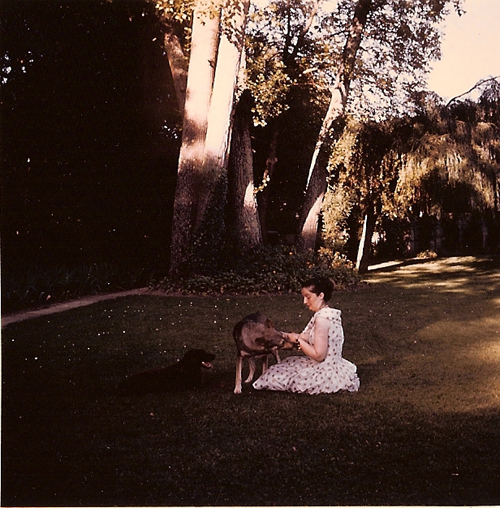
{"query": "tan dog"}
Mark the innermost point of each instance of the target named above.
(255, 336)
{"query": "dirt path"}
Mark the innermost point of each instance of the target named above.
(72, 304)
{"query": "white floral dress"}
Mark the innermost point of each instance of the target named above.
(304, 375)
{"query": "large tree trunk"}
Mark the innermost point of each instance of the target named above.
(243, 219)
(221, 108)
(316, 178)
(211, 203)
(205, 36)
(313, 202)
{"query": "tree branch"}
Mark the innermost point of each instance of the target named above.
(477, 85)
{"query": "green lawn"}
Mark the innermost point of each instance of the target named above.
(424, 429)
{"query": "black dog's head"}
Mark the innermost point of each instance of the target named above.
(199, 357)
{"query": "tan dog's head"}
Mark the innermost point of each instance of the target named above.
(265, 336)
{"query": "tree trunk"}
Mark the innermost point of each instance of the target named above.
(313, 202)
(211, 201)
(316, 178)
(178, 66)
(263, 195)
(198, 94)
(243, 221)
(365, 242)
(221, 108)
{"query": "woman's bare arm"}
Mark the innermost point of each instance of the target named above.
(318, 350)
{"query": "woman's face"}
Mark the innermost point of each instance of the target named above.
(313, 301)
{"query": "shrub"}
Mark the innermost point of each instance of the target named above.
(257, 271)
(427, 254)
(267, 270)
(37, 287)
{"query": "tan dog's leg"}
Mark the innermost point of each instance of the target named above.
(251, 366)
(276, 354)
(265, 363)
(239, 363)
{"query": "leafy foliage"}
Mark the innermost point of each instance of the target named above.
(296, 44)
(363, 171)
(450, 165)
(38, 287)
(175, 10)
(441, 164)
(267, 270)
(282, 55)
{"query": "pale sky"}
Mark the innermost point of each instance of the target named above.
(470, 49)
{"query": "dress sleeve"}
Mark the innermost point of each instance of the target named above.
(329, 313)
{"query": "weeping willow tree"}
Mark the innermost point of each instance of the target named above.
(450, 174)
(451, 181)
(438, 173)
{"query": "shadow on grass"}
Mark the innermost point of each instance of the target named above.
(423, 429)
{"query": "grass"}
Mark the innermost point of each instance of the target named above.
(424, 429)
(37, 287)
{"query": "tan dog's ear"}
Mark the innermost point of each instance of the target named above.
(269, 323)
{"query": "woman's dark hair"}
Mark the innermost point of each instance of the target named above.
(320, 285)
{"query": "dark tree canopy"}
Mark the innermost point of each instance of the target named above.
(88, 132)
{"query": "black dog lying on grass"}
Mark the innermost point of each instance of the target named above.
(182, 375)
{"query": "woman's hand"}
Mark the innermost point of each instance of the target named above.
(293, 337)
(290, 340)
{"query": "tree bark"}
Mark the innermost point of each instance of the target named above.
(205, 36)
(316, 178)
(263, 195)
(243, 216)
(178, 66)
(221, 107)
(313, 202)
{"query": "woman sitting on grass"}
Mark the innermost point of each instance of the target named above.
(322, 369)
